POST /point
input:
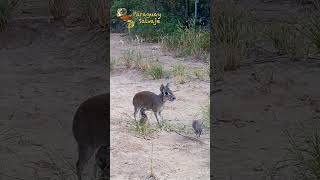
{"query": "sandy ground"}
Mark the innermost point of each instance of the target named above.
(174, 156)
(260, 102)
(252, 121)
(46, 72)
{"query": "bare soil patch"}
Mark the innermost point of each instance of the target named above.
(174, 156)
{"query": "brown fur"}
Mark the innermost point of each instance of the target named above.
(147, 100)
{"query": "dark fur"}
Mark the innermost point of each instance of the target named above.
(101, 159)
(197, 126)
(91, 128)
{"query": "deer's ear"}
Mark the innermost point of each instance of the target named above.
(167, 85)
(161, 87)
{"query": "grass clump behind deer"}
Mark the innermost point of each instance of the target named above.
(231, 33)
(191, 41)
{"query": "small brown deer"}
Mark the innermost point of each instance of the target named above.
(90, 129)
(147, 100)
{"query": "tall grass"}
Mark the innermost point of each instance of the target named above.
(304, 153)
(201, 73)
(287, 40)
(231, 33)
(192, 41)
(311, 29)
(6, 9)
(156, 71)
(180, 72)
(131, 58)
(205, 115)
(314, 3)
(95, 11)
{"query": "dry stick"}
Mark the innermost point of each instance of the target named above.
(151, 166)
(152, 175)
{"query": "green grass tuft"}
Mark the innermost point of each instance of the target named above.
(287, 41)
(156, 71)
(131, 57)
(192, 41)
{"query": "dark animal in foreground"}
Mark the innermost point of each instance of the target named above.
(91, 129)
(101, 161)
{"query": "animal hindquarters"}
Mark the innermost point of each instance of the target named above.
(101, 159)
(91, 128)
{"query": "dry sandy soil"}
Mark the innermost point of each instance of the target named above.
(260, 102)
(46, 72)
(174, 156)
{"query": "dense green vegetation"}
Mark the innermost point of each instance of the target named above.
(180, 30)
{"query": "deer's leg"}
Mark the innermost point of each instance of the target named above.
(85, 153)
(161, 115)
(156, 114)
(136, 110)
(95, 167)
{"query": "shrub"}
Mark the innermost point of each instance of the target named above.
(286, 40)
(171, 15)
(6, 9)
(156, 71)
(131, 57)
(201, 73)
(188, 42)
(231, 33)
(304, 153)
(179, 70)
(180, 73)
(311, 29)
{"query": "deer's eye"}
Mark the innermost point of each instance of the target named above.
(166, 93)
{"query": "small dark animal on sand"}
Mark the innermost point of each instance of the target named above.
(197, 126)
